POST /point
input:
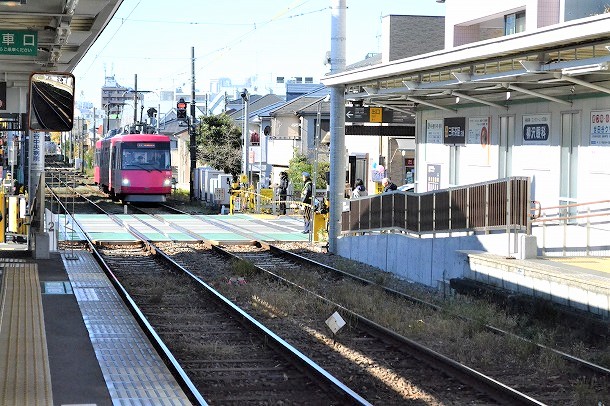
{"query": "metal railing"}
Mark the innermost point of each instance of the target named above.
(494, 205)
(575, 228)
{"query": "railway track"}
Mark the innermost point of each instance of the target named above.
(271, 257)
(383, 366)
(549, 389)
(77, 196)
(228, 356)
(524, 375)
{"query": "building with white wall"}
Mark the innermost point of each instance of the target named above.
(551, 79)
(479, 20)
(521, 89)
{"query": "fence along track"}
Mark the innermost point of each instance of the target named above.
(503, 204)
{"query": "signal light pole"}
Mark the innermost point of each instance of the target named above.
(245, 164)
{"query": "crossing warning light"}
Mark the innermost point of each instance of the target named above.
(181, 110)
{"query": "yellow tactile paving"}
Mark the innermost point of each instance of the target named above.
(601, 264)
(25, 376)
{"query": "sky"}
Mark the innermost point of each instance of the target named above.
(234, 39)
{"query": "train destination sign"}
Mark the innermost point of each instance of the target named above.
(356, 114)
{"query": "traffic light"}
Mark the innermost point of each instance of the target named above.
(181, 110)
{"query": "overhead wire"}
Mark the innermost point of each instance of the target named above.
(111, 38)
(219, 52)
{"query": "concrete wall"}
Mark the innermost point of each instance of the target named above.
(428, 261)
(407, 35)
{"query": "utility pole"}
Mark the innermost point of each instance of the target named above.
(245, 164)
(337, 122)
(135, 100)
(94, 128)
(191, 129)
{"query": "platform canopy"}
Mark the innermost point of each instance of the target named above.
(558, 63)
(48, 35)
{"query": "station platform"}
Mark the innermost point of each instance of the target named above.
(581, 283)
(66, 338)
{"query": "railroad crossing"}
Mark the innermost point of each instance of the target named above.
(235, 229)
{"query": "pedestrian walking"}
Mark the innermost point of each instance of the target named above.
(283, 191)
(306, 199)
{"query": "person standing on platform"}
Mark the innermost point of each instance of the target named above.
(306, 199)
(359, 189)
(388, 186)
(283, 191)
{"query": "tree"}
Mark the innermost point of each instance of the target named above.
(219, 143)
(299, 164)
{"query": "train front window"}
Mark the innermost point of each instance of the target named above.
(149, 159)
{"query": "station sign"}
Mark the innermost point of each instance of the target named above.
(362, 114)
(18, 42)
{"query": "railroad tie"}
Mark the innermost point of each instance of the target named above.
(25, 376)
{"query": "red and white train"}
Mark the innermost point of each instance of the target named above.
(134, 167)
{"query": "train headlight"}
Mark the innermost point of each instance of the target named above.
(167, 182)
(126, 182)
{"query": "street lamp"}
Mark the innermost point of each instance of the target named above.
(246, 97)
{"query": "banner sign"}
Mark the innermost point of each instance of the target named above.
(455, 130)
(600, 128)
(536, 129)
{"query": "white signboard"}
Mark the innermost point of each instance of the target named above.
(478, 131)
(536, 129)
(36, 151)
(335, 322)
(600, 128)
(434, 131)
(479, 135)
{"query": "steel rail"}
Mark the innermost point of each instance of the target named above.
(495, 389)
(304, 363)
(571, 358)
(173, 365)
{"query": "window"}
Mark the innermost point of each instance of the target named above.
(514, 23)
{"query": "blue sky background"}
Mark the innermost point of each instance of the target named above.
(235, 39)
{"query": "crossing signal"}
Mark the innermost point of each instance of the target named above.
(181, 110)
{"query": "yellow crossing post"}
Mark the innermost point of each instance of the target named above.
(2, 217)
